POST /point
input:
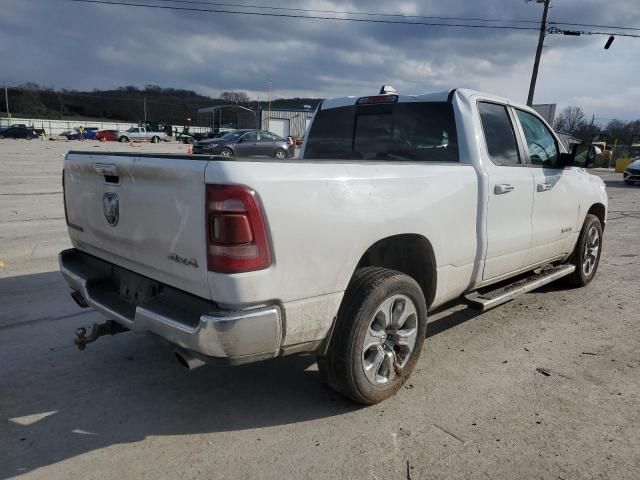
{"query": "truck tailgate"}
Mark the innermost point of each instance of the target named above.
(143, 213)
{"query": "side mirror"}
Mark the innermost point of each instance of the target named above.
(582, 155)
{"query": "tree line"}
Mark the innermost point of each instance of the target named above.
(127, 103)
(572, 120)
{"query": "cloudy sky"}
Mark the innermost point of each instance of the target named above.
(65, 44)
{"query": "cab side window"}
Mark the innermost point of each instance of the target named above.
(542, 146)
(499, 134)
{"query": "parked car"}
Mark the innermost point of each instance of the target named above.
(140, 134)
(398, 205)
(89, 133)
(18, 131)
(246, 143)
(631, 174)
(107, 135)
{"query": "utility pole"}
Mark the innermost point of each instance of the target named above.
(269, 114)
(536, 63)
(144, 99)
(6, 98)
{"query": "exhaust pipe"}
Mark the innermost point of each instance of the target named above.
(187, 360)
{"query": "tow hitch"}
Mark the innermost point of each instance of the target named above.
(110, 327)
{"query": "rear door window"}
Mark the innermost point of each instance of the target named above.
(499, 134)
(410, 131)
(266, 137)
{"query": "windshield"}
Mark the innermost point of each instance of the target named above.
(410, 131)
(233, 135)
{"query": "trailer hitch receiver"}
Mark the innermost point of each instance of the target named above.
(110, 327)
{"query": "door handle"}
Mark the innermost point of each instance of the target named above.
(543, 187)
(503, 188)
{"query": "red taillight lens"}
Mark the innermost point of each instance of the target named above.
(236, 230)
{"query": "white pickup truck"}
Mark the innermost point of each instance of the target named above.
(397, 205)
(140, 134)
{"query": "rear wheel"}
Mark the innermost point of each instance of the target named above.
(280, 154)
(124, 139)
(380, 329)
(586, 256)
(155, 139)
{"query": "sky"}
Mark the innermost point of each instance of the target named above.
(64, 44)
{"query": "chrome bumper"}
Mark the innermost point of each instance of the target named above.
(192, 323)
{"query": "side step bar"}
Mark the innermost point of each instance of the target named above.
(485, 300)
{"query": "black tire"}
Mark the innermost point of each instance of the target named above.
(226, 152)
(280, 154)
(123, 139)
(583, 276)
(155, 139)
(343, 367)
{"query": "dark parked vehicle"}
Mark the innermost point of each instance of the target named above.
(631, 174)
(246, 143)
(18, 131)
(89, 133)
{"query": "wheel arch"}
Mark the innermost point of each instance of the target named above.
(600, 211)
(411, 254)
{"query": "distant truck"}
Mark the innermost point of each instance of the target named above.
(140, 134)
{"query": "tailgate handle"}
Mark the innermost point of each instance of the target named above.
(110, 172)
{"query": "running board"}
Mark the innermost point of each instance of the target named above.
(492, 298)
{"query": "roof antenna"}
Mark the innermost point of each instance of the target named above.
(387, 89)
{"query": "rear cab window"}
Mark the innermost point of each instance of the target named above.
(405, 131)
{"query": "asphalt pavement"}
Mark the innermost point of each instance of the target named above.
(474, 408)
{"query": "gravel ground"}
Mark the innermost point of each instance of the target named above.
(474, 408)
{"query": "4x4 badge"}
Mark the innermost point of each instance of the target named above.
(111, 208)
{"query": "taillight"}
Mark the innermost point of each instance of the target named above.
(237, 238)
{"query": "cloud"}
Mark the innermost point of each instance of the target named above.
(86, 46)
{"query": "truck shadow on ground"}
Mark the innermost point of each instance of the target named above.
(58, 403)
(620, 184)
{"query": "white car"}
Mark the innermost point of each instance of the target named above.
(398, 204)
(140, 134)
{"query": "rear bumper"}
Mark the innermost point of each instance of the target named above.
(182, 319)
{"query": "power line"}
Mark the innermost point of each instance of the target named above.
(342, 12)
(594, 26)
(386, 20)
(309, 17)
(577, 33)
